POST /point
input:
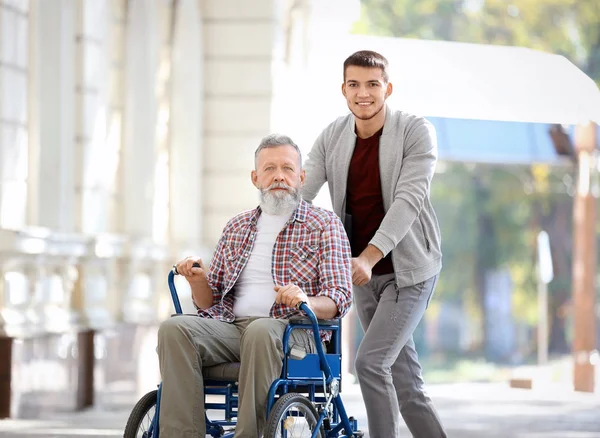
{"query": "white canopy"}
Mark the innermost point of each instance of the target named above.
(459, 80)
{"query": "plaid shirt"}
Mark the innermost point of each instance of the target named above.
(311, 251)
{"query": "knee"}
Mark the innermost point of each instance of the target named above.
(169, 330)
(370, 364)
(264, 332)
(363, 364)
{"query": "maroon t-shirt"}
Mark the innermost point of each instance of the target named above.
(364, 201)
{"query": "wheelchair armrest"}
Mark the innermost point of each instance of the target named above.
(322, 322)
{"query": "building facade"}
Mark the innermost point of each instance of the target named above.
(127, 136)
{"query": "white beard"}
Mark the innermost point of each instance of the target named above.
(280, 202)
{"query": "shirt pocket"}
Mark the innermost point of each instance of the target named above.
(304, 263)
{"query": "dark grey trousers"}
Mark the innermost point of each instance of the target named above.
(387, 363)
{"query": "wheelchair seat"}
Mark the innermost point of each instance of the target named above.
(230, 371)
(223, 372)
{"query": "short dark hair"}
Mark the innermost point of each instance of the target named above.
(368, 58)
(275, 140)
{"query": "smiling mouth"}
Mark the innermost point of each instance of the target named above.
(364, 104)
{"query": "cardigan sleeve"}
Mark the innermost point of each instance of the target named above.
(412, 187)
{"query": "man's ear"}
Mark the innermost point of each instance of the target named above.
(344, 88)
(389, 90)
(254, 178)
(302, 176)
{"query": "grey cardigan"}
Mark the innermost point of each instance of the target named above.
(407, 158)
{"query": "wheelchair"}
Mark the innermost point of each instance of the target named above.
(304, 402)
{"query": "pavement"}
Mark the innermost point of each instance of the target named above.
(468, 410)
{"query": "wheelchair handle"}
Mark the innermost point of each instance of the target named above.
(315, 327)
(174, 296)
(172, 273)
(312, 317)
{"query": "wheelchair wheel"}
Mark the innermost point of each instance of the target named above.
(292, 416)
(140, 419)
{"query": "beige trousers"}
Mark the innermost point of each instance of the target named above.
(188, 343)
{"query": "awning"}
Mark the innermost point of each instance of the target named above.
(468, 81)
(493, 142)
(490, 104)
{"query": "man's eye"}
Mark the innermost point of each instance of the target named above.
(352, 85)
(374, 84)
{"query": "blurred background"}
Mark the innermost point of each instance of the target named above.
(128, 129)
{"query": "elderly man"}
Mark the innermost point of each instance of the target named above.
(267, 261)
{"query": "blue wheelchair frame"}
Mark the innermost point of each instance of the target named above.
(318, 375)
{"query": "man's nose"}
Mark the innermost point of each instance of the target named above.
(363, 92)
(279, 176)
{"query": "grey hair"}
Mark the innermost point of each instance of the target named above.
(275, 140)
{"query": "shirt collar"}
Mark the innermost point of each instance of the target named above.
(301, 212)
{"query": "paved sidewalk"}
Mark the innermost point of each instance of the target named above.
(475, 410)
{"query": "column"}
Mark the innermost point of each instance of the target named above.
(110, 247)
(145, 157)
(55, 114)
(96, 159)
(14, 66)
(242, 43)
(14, 106)
(585, 257)
(139, 152)
(185, 129)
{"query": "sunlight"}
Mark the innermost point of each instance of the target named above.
(160, 207)
(13, 187)
(583, 187)
(100, 169)
(16, 283)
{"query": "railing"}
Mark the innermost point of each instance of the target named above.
(78, 318)
(54, 282)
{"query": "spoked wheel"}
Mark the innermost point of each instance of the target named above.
(292, 416)
(138, 424)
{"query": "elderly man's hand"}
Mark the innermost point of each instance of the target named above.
(290, 295)
(361, 271)
(194, 275)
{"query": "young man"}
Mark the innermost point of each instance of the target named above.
(267, 261)
(379, 163)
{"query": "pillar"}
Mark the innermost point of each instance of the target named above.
(585, 257)
(54, 145)
(185, 132)
(14, 106)
(242, 45)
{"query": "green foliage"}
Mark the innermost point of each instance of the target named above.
(490, 216)
(501, 196)
(567, 27)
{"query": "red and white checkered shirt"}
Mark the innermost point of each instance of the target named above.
(311, 251)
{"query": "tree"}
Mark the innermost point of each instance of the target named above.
(567, 27)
